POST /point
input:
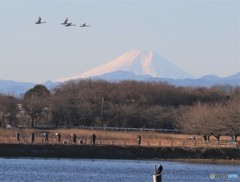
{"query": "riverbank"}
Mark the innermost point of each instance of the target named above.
(118, 152)
(118, 138)
(207, 161)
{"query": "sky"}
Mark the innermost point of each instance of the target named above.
(201, 37)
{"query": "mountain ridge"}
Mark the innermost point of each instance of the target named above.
(136, 65)
(206, 81)
(11, 87)
(137, 62)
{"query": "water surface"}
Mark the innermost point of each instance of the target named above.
(87, 170)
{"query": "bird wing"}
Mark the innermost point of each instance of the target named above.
(65, 21)
(39, 20)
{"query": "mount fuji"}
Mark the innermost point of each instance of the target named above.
(134, 64)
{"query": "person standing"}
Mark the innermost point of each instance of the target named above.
(46, 137)
(93, 136)
(18, 137)
(58, 137)
(139, 140)
(32, 138)
(74, 138)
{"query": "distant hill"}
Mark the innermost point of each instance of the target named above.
(133, 65)
(11, 87)
(18, 88)
(205, 81)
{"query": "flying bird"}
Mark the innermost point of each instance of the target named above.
(85, 25)
(65, 22)
(69, 24)
(39, 21)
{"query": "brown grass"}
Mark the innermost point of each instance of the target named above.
(111, 137)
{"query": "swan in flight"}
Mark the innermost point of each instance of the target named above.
(85, 25)
(65, 22)
(39, 21)
(69, 24)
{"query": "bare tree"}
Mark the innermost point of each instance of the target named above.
(36, 102)
(8, 110)
(198, 120)
(232, 118)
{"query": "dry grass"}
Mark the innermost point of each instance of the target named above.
(111, 137)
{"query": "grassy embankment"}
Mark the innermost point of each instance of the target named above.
(114, 145)
(105, 136)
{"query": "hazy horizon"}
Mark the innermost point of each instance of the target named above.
(201, 37)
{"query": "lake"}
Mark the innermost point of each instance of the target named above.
(88, 170)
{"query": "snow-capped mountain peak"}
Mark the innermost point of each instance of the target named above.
(139, 63)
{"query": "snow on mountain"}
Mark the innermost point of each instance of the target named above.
(138, 63)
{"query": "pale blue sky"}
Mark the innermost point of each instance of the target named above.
(200, 36)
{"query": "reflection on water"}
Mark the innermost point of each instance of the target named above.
(87, 170)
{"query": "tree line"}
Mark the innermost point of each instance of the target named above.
(206, 111)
